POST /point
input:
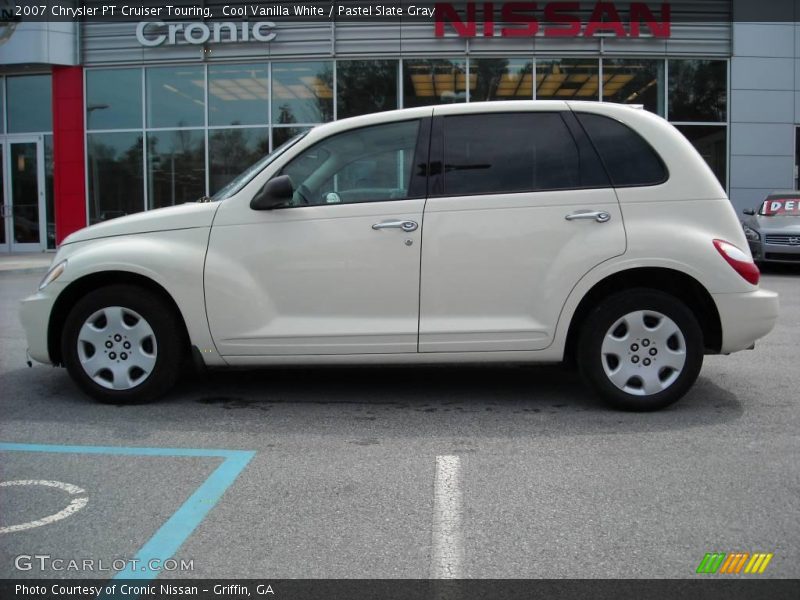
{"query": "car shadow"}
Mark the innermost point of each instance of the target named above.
(370, 402)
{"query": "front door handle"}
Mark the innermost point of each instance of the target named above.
(589, 215)
(407, 226)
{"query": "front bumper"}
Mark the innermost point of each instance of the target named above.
(35, 316)
(763, 252)
(745, 318)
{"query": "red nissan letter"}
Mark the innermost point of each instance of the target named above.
(522, 13)
(641, 12)
(559, 13)
(613, 23)
(446, 11)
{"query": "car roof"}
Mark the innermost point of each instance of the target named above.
(464, 108)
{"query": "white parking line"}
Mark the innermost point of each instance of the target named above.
(447, 544)
(74, 506)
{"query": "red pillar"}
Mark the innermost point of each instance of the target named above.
(69, 169)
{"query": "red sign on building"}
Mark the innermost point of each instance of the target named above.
(553, 19)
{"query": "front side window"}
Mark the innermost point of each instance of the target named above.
(370, 164)
(629, 159)
(507, 153)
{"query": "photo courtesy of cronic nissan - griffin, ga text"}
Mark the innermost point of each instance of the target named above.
(532, 231)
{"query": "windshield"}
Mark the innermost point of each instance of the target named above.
(248, 174)
(780, 207)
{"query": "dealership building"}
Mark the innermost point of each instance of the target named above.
(102, 118)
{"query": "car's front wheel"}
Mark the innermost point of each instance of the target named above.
(122, 344)
(640, 349)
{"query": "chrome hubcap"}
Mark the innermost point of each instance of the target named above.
(643, 353)
(117, 348)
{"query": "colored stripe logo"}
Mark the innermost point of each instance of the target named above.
(734, 563)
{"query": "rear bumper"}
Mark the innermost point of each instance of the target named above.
(746, 317)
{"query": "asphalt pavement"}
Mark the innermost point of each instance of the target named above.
(489, 472)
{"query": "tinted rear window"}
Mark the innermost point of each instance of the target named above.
(629, 159)
(508, 152)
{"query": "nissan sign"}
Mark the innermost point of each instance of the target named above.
(552, 19)
(158, 33)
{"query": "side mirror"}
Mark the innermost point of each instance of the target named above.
(276, 192)
(749, 211)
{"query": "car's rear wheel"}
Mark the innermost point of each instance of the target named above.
(122, 344)
(640, 350)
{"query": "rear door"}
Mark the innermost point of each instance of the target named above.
(519, 209)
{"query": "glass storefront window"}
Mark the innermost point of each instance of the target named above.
(231, 151)
(176, 167)
(501, 79)
(438, 81)
(238, 95)
(711, 142)
(634, 81)
(302, 92)
(175, 96)
(29, 103)
(113, 98)
(116, 185)
(568, 79)
(365, 86)
(2, 105)
(698, 90)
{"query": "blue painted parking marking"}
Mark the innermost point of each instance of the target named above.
(171, 535)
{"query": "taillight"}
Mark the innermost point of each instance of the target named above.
(740, 261)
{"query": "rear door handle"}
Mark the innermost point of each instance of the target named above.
(589, 215)
(407, 226)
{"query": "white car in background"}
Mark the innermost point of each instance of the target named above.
(504, 232)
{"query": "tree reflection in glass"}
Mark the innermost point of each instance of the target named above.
(115, 175)
(302, 92)
(698, 90)
(231, 151)
(176, 167)
(365, 86)
(501, 79)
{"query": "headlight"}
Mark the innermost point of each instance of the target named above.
(53, 274)
(751, 234)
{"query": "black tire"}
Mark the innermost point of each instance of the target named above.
(592, 362)
(168, 349)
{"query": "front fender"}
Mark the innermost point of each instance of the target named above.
(172, 259)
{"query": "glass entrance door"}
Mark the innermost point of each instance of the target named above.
(24, 227)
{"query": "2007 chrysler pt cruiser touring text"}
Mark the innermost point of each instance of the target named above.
(503, 231)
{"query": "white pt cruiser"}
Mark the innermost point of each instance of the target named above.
(504, 232)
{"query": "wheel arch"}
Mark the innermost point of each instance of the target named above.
(670, 281)
(93, 281)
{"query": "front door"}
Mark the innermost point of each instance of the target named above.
(334, 272)
(23, 209)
